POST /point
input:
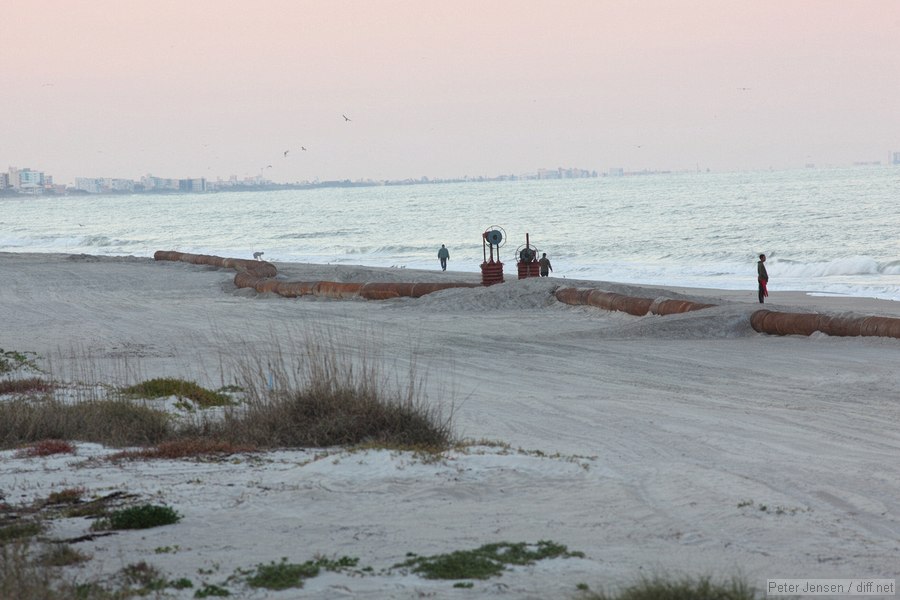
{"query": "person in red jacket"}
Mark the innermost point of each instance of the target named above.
(763, 277)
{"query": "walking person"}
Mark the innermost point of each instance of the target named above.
(762, 277)
(546, 267)
(443, 256)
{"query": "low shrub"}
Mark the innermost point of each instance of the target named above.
(145, 577)
(186, 448)
(66, 496)
(487, 561)
(337, 415)
(210, 590)
(108, 422)
(282, 575)
(144, 516)
(62, 555)
(46, 448)
(25, 386)
(165, 387)
(20, 530)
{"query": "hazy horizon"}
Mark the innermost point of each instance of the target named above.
(107, 88)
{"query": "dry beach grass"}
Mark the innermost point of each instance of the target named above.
(681, 445)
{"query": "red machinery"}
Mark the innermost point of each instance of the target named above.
(527, 260)
(491, 270)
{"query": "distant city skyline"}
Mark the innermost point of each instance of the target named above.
(34, 181)
(29, 180)
(397, 89)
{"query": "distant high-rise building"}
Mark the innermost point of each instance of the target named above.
(26, 180)
(896, 159)
(88, 184)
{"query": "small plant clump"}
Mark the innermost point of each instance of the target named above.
(284, 575)
(182, 583)
(46, 448)
(487, 561)
(66, 496)
(12, 360)
(164, 387)
(144, 516)
(186, 448)
(25, 386)
(212, 591)
(19, 530)
(145, 577)
(62, 555)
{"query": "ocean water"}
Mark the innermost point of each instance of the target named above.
(827, 231)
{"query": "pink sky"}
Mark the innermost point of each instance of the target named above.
(211, 88)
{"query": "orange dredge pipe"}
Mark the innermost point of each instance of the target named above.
(260, 268)
(781, 323)
(762, 321)
(259, 275)
(630, 304)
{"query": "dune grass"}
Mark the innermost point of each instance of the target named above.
(687, 588)
(30, 571)
(112, 422)
(310, 395)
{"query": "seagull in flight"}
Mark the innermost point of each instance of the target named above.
(286, 152)
(303, 148)
(346, 118)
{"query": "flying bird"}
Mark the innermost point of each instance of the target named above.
(346, 118)
(286, 152)
(303, 148)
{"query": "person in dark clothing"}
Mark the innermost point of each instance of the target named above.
(762, 277)
(546, 267)
(443, 256)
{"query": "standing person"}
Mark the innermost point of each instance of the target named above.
(443, 256)
(546, 267)
(763, 277)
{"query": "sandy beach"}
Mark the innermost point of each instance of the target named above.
(659, 445)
